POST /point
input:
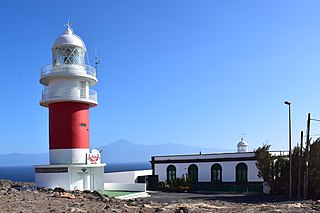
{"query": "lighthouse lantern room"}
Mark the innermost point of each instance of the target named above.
(68, 97)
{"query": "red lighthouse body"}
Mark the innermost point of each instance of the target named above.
(68, 96)
(68, 125)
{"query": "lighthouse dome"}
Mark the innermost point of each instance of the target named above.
(242, 146)
(68, 38)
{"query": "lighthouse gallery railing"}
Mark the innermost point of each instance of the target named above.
(71, 68)
(72, 93)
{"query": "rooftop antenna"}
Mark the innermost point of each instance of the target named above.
(96, 60)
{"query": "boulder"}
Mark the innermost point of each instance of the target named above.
(59, 189)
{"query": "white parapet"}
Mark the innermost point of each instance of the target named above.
(125, 176)
(128, 187)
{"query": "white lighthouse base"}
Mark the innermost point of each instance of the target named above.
(71, 176)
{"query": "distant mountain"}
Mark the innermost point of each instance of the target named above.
(16, 159)
(121, 151)
(126, 151)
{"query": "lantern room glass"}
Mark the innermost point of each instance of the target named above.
(68, 55)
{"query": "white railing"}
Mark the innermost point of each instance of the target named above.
(72, 93)
(68, 68)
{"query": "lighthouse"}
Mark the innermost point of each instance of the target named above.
(68, 96)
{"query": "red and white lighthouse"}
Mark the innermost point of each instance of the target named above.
(68, 97)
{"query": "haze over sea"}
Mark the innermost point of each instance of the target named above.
(121, 155)
(19, 167)
(26, 173)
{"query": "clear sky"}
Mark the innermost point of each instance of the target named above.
(172, 71)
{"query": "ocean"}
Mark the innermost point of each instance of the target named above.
(26, 173)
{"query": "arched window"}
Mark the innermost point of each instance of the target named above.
(193, 173)
(241, 173)
(216, 173)
(171, 173)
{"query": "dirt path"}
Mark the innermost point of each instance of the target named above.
(24, 197)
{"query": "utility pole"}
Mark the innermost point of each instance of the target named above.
(290, 160)
(300, 160)
(306, 175)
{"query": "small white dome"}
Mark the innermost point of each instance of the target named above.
(242, 146)
(68, 38)
(242, 143)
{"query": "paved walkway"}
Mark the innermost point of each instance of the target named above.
(171, 197)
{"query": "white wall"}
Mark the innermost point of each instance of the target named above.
(65, 82)
(161, 171)
(97, 178)
(129, 187)
(68, 88)
(125, 177)
(228, 171)
(119, 177)
(204, 170)
(92, 179)
(52, 180)
(79, 180)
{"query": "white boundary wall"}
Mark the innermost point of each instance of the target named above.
(125, 177)
(129, 187)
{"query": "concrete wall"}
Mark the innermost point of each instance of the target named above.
(84, 177)
(52, 180)
(130, 187)
(204, 170)
(79, 179)
(91, 179)
(125, 177)
(97, 176)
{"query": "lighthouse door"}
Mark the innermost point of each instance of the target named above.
(86, 182)
(92, 182)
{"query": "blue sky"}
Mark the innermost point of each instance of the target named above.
(172, 71)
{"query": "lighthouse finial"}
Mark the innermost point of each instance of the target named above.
(243, 136)
(69, 29)
(68, 24)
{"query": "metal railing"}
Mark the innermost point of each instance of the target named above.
(68, 68)
(71, 93)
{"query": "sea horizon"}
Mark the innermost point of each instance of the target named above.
(26, 173)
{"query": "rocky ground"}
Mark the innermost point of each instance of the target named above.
(24, 197)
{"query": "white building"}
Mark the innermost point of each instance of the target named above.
(212, 172)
